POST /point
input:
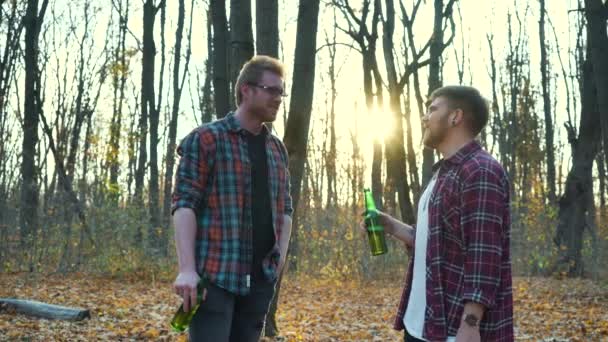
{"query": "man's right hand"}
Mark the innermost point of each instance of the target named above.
(394, 227)
(387, 221)
(185, 286)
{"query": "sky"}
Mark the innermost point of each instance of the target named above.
(478, 19)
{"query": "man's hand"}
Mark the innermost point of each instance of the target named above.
(185, 286)
(394, 227)
(387, 221)
(467, 333)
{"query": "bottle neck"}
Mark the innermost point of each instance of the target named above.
(369, 202)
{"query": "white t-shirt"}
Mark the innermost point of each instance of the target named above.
(416, 307)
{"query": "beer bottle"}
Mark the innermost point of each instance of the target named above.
(181, 320)
(375, 231)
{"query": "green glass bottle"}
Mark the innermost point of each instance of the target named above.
(375, 231)
(181, 320)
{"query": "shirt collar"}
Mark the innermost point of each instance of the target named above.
(234, 125)
(460, 156)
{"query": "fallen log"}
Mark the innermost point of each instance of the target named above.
(43, 310)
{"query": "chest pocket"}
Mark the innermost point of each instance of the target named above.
(446, 203)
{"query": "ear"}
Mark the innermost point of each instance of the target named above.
(244, 89)
(457, 116)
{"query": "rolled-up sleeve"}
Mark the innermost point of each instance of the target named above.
(483, 205)
(191, 174)
(288, 202)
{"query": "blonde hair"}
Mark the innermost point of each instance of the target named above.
(253, 70)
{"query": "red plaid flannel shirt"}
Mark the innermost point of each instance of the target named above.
(468, 257)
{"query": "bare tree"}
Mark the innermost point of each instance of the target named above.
(80, 111)
(12, 27)
(178, 86)
(119, 70)
(300, 108)
(267, 27)
(331, 155)
(267, 30)
(241, 39)
(576, 206)
(366, 37)
(207, 102)
(151, 110)
(437, 46)
(596, 14)
(575, 203)
(544, 70)
(28, 213)
(221, 84)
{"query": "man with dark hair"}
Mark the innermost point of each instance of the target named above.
(458, 285)
(232, 210)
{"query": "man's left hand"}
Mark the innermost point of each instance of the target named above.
(467, 333)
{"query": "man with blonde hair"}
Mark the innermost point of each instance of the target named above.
(232, 210)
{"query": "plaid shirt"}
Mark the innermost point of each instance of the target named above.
(468, 257)
(214, 179)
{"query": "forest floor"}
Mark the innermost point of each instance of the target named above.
(130, 309)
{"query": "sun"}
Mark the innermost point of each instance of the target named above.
(377, 124)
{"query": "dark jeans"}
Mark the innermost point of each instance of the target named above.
(225, 317)
(409, 338)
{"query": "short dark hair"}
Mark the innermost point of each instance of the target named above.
(470, 101)
(253, 70)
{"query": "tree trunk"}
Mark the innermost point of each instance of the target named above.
(241, 39)
(150, 110)
(574, 203)
(43, 310)
(119, 78)
(207, 104)
(435, 80)
(177, 93)
(596, 14)
(28, 213)
(544, 70)
(300, 107)
(331, 155)
(81, 110)
(411, 154)
(267, 27)
(221, 86)
(396, 174)
(267, 30)
(601, 175)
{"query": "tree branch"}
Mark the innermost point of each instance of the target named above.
(336, 44)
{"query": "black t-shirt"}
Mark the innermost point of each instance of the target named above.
(263, 232)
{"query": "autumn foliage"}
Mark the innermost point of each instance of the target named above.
(138, 308)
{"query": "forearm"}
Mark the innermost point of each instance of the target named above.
(285, 235)
(184, 220)
(471, 317)
(475, 309)
(402, 232)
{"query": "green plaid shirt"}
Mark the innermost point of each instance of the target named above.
(214, 179)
